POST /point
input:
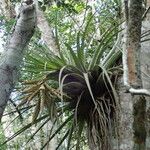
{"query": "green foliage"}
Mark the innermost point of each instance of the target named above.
(2, 137)
(77, 87)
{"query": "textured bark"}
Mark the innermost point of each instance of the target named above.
(133, 42)
(139, 113)
(47, 32)
(132, 131)
(6, 9)
(134, 72)
(12, 56)
(126, 118)
(132, 106)
(145, 66)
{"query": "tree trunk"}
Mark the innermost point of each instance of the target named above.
(126, 119)
(12, 56)
(6, 9)
(145, 66)
(47, 33)
(133, 107)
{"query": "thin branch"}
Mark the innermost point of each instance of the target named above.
(17, 110)
(145, 13)
(139, 91)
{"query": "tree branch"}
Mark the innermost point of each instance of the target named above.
(12, 56)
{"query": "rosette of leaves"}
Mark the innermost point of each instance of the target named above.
(80, 83)
(93, 102)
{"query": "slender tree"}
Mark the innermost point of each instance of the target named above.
(145, 64)
(12, 56)
(134, 111)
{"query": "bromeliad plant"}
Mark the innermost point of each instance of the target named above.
(86, 89)
(80, 85)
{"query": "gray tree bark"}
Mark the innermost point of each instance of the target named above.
(133, 107)
(47, 33)
(145, 66)
(13, 53)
